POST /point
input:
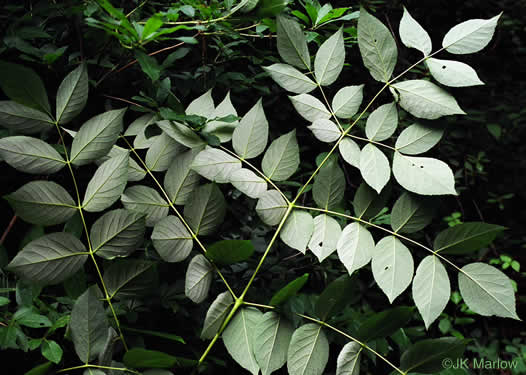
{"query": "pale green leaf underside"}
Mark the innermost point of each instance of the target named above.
(413, 35)
(107, 184)
(50, 259)
(271, 207)
(216, 314)
(426, 176)
(222, 130)
(205, 210)
(392, 266)
(325, 236)
(248, 182)
(117, 233)
(72, 95)
(325, 130)
(431, 289)
(487, 291)
(162, 152)
(308, 351)
(377, 46)
(215, 165)
(291, 43)
(202, 106)
(355, 247)
(309, 107)
(145, 200)
(290, 78)
(470, 36)
(348, 362)
(251, 135)
(135, 172)
(282, 158)
(416, 139)
(329, 59)
(43, 203)
(382, 122)
(96, 137)
(297, 230)
(374, 167)
(139, 124)
(23, 119)
(171, 239)
(88, 324)
(180, 180)
(271, 341)
(453, 73)
(30, 155)
(181, 133)
(350, 151)
(198, 279)
(347, 101)
(426, 100)
(239, 337)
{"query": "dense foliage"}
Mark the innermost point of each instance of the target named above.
(296, 188)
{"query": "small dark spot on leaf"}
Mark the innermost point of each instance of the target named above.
(386, 268)
(421, 166)
(375, 40)
(443, 67)
(320, 244)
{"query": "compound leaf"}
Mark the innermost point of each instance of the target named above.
(205, 210)
(117, 233)
(426, 100)
(171, 239)
(487, 291)
(297, 230)
(30, 155)
(72, 95)
(282, 158)
(308, 350)
(431, 289)
(96, 137)
(239, 337)
(426, 176)
(50, 259)
(43, 203)
(107, 184)
(377, 47)
(251, 136)
(392, 266)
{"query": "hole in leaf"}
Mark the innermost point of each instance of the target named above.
(320, 244)
(421, 166)
(386, 268)
(375, 40)
(151, 131)
(443, 67)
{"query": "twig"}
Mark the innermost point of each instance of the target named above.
(8, 229)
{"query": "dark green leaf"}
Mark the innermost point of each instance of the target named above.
(164, 335)
(384, 323)
(42, 369)
(143, 358)
(24, 86)
(428, 356)
(51, 350)
(288, 290)
(230, 251)
(129, 278)
(88, 324)
(149, 65)
(466, 238)
(335, 297)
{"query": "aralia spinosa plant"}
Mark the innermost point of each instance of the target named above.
(185, 202)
